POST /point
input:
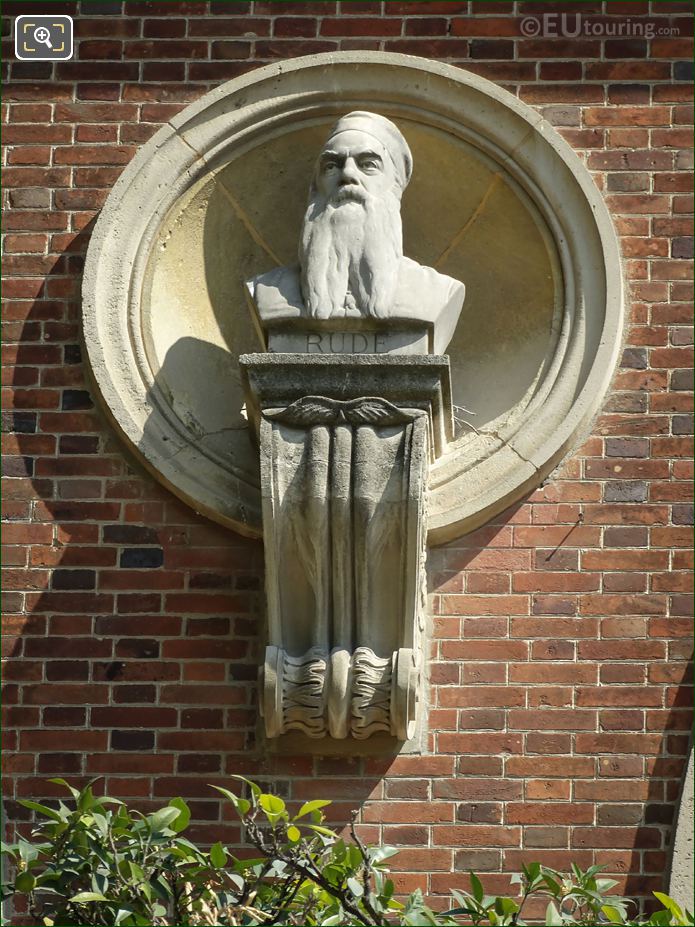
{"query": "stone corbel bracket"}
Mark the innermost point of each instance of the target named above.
(345, 445)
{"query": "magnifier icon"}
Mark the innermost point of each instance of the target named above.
(42, 35)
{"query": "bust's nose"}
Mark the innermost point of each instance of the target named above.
(349, 173)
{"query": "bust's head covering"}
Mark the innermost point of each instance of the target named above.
(384, 131)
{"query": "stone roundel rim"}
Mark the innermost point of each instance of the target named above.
(464, 493)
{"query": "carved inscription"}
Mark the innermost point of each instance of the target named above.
(346, 343)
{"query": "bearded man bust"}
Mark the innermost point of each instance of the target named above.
(352, 273)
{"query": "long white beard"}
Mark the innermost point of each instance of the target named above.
(351, 248)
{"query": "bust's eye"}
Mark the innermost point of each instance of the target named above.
(370, 165)
(329, 166)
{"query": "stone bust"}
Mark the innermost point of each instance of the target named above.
(352, 271)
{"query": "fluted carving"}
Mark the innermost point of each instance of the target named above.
(306, 697)
(344, 481)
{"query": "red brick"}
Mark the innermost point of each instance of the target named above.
(485, 605)
(90, 741)
(476, 836)
(552, 719)
(354, 26)
(93, 154)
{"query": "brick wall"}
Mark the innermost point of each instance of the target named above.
(560, 712)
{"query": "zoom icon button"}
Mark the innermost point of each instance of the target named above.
(43, 38)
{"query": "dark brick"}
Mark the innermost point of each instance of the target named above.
(17, 466)
(682, 380)
(682, 515)
(491, 50)
(198, 762)
(683, 70)
(625, 48)
(242, 671)
(132, 740)
(129, 534)
(67, 670)
(682, 248)
(138, 648)
(621, 814)
(31, 70)
(78, 444)
(658, 813)
(74, 579)
(101, 7)
(626, 536)
(142, 558)
(682, 425)
(235, 7)
(479, 812)
(210, 581)
(19, 422)
(129, 695)
(76, 399)
(52, 763)
(626, 491)
(64, 717)
(627, 447)
(635, 358)
(72, 354)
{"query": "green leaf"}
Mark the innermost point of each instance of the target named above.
(613, 914)
(161, 819)
(554, 886)
(355, 887)
(477, 887)
(121, 915)
(137, 874)
(310, 806)
(321, 830)
(42, 809)
(271, 804)
(181, 822)
(218, 856)
(505, 906)
(661, 918)
(671, 906)
(242, 805)
(24, 882)
(293, 834)
(73, 791)
(552, 916)
(81, 897)
(605, 885)
(256, 791)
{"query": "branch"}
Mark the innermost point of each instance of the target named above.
(308, 871)
(367, 873)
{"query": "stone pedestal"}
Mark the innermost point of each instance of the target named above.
(345, 444)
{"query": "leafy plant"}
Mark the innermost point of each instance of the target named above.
(98, 863)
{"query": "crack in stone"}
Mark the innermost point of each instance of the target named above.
(459, 236)
(505, 443)
(241, 214)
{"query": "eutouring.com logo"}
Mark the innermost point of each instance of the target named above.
(577, 26)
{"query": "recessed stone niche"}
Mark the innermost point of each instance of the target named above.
(497, 200)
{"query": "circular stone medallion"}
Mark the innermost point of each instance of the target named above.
(497, 200)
